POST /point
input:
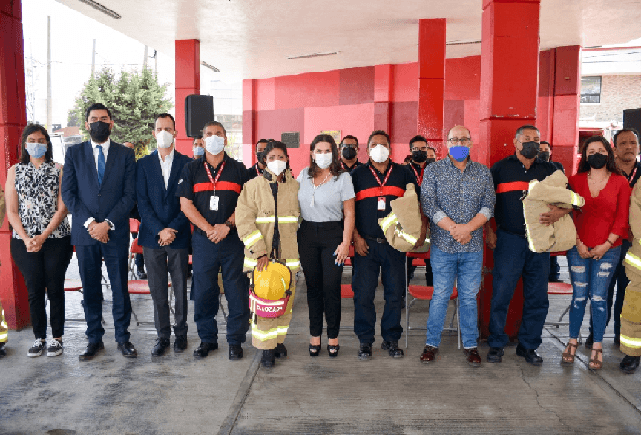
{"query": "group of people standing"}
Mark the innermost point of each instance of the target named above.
(236, 220)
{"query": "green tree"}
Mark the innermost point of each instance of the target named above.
(134, 99)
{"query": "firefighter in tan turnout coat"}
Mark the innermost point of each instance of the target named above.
(267, 219)
(631, 312)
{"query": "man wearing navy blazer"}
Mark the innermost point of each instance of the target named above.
(164, 232)
(98, 188)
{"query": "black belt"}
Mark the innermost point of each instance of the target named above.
(329, 225)
(375, 239)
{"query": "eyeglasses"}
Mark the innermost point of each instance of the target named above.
(462, 140)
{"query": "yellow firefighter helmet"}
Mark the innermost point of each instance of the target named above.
(272, 282)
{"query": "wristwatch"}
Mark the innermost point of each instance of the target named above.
(229, 224)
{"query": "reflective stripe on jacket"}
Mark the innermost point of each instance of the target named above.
(561, 235)
(256, 219)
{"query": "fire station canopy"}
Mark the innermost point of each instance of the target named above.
(258, 38)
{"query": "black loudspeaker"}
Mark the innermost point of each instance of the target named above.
(632, 119)
(199, 110)
(291, 139)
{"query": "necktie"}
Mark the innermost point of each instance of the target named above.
(101, 164)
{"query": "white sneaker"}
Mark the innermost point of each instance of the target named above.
(55, 348)
(37, 348)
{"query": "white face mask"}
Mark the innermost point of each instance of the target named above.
(379, 153)
(164, 139)
(277, 166)
(323, 160)
(214, 144)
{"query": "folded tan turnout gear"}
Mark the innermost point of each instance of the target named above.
(561, 235)
(631, 312)
(402, 227)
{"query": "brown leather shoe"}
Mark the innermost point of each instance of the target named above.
(429, 354)
(473, 357)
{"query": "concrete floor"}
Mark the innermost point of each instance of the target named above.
(176, 394)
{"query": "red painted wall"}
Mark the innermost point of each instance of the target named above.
(346, 100)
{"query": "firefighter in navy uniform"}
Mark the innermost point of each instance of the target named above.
(421, 156)
(376, 184)
(258, 169)
(349, 153)
(208, 189)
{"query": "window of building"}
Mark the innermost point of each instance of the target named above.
(591, 89)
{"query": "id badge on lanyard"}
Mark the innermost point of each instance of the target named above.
(382, 201)
(213, 203)
(214, 200)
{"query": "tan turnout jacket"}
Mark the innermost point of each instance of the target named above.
(561, 235)
(402, 226)
(631, 311)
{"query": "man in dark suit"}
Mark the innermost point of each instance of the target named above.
(164, 232)
(98, 188)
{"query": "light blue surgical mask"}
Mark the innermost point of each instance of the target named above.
(199, 151)
(36, 150)
(459, 153)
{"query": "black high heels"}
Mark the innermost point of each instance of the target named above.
(314, 349)
(333, 350)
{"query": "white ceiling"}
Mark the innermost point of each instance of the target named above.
(253, 38)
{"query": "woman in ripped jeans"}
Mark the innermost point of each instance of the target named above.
(601, 225)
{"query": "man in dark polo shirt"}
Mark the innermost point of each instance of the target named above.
(512, 257)
(349, 153)
(208, 191)
(257, 169)
(376, 184)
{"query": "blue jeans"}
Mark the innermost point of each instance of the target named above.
(513, 260)
(208, 259)
(364, 283)
(591, 278)
(466, 268)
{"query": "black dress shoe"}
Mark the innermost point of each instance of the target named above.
(392, 348)
(180, 343)
(269, 358)
(589, 341)
(495, 355)
(629, 364)
(3, 351)
(530, 355)
(91, 351)
(203, 349)
(280, 351)
(141, 275)
(365, 351)
(235, 352)
(161, 346)
(128, 350)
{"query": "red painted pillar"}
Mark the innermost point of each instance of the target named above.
(187, 82)
(509, 85)
(13, 118)
(431, 81)
(567, 95)
(249, 122)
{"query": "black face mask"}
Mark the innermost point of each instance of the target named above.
(419, 156)
(348, 153)
(597, 161)
(530, 149)
(430, 160)
(260, 156)
(99, 131)
(544, 156)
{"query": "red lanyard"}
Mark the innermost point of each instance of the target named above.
(386, 177)
(631, 177)
(419, 179)
(214, 180)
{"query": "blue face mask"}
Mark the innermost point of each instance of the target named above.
(36, 150)
(199, 151)
(459, 153)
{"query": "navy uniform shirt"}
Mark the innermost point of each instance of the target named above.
(511, 179)
(253, 172)
(348, 168)
(194, 184)
(417, 172)
(368, 191)
(633, 177)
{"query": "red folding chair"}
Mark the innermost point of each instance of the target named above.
(425, 293)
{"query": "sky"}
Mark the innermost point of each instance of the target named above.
(72, 35)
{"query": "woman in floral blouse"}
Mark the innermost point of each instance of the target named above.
(41, 242)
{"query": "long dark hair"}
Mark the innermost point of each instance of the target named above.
(335, 166)
(30, 129)
(610, 163)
